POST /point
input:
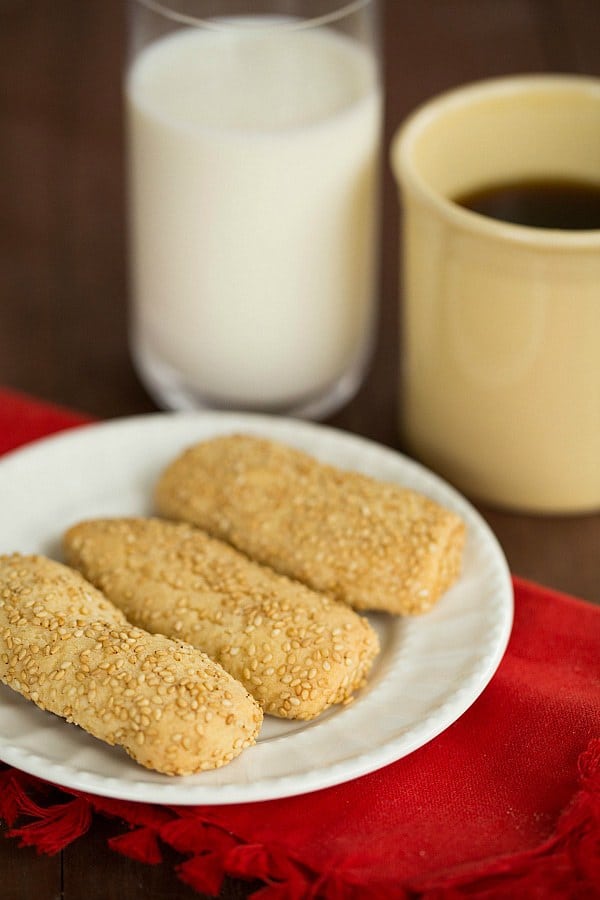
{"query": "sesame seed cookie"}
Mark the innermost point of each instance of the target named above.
(297, 652)
(368, 543)
(63, 646)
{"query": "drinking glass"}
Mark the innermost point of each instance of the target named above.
(254, 134)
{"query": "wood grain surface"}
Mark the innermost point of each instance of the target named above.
(63, 287)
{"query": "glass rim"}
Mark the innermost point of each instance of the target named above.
(346, 9)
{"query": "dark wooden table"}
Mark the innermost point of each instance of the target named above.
(63, 293)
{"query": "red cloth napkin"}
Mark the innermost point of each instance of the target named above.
(505, 803)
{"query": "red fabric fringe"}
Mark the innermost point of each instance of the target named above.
(566, 865)
(140, 844)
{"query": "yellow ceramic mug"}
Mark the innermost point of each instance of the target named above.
(501, 322)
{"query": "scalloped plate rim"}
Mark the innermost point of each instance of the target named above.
(137, 783)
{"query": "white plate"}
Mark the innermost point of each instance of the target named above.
(430, 669)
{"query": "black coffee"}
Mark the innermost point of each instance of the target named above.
(539, 203)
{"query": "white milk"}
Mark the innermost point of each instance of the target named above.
(253, 178)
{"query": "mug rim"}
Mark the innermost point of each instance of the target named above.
(409, 178)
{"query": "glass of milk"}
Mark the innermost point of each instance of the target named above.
(254, 134)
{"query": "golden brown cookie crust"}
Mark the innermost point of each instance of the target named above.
(296, 651)
(63, 646)
(370, 544)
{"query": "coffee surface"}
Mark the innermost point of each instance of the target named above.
(540, 203)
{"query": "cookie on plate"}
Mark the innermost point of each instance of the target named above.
(295, 650)
(368, 543)
(63, 646)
